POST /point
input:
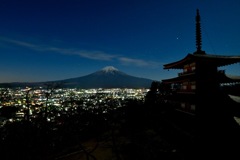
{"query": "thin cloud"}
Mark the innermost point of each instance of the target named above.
(94, 55)
(138, 62)
(19, 43)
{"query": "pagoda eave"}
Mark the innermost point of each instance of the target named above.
(178, 64)
(223, 78)
(216, 60)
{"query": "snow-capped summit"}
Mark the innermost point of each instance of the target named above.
(109, 69)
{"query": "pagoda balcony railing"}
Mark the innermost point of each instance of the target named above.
(186, 73)
(189, 89)
(193, 72)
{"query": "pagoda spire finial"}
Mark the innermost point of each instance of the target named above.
(198, 35)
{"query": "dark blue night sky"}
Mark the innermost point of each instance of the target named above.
(44, 40)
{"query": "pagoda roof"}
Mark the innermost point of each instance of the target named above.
(235, 98)
(223, 78)
(218, 60)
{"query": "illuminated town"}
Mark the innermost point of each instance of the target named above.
(30, 103)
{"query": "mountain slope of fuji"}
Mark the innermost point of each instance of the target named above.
(108, 77)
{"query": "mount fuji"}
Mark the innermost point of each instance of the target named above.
(108, 77)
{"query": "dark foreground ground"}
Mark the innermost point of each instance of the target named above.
(135, 132)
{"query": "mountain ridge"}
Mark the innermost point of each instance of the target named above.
(107, 77)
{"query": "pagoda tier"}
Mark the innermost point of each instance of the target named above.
(189, 76)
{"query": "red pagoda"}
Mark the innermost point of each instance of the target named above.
(197, 89)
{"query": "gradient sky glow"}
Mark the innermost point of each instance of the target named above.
(42, 40)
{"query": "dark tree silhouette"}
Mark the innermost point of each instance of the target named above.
(50, 88)
(8, 111)
(152, 95)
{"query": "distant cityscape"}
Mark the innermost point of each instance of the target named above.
(31, 103)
